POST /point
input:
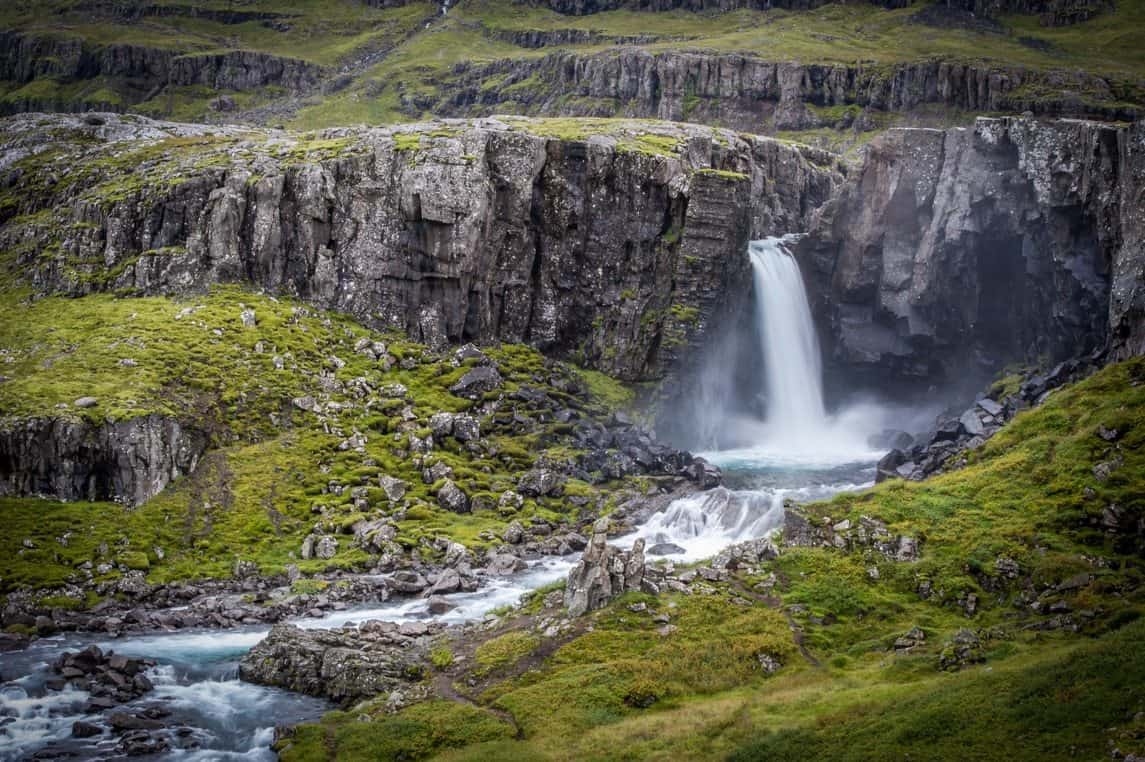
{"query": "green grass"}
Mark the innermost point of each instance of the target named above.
(265, 482)
(406, 63)
(621, 688)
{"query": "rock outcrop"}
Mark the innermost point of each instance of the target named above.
(344, 665)
(758, 95)
(1051, 12)
(603, 573)
(140, 71)
(953, 252)
(130, 461)
(604, 247)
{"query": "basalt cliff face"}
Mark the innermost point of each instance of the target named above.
(953, 252)
(621, 251)
(144, 71)
(749, 93)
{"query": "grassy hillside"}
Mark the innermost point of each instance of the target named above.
(1056, 673)
(385, 65)
(275, 471)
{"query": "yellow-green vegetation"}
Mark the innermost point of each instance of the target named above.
(275, 470)
(1063, 660)
(504, 651)
(325, 32)
(392, 64)
(417, 733)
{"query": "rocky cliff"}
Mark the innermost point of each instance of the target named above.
(129, 461)
(1051, 12)
(751, 93)
(141, 71)
(953, 252)
(621, 250)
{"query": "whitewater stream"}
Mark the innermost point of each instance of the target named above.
(799, 452)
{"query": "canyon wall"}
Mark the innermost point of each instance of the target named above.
(954, 252)
(752, 94)
(610, 250)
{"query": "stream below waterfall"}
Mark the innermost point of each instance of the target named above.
(801, 453)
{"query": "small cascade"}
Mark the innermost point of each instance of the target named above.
(706, 522)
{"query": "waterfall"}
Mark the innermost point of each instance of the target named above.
(787, 337)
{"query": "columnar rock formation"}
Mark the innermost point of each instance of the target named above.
(759, 95)
(603, 572)
(955, 251)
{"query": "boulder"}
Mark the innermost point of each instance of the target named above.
(477, 383)
(466, 428)
(452, 498)
(344, 665)
(541, 482)
(394, 488)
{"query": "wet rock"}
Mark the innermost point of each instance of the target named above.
(665, 549)
(448, 581)
(889, 464)
(121, 721)
(81, 729)
(407, 582)
(86, 402)
(342, 665)
(504, 565)
(140, 743)
(438, 605)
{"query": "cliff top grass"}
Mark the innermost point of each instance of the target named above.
(616, 685)
(388, 65)
(275, 471)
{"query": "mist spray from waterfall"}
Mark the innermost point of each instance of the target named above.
(796, 429)
(787, 334)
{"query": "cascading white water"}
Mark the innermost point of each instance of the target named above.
(797, 451)
(787, 338)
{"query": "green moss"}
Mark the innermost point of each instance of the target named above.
(722, 174)
(414, 733)
(504, 651)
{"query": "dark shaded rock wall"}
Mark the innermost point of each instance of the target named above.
(130, 461)
(749, 93)
(620, 258)
(953, 252)
(143, 71)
